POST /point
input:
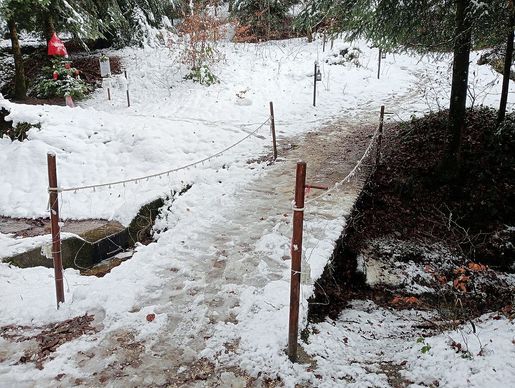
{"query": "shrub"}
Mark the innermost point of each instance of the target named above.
(202, 75)
(61, 80)
(18, 132)
(260, 19)
(200, 32)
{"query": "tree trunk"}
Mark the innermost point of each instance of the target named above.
(20, 88)
(507, 68)
(457, 108)
(49, 27)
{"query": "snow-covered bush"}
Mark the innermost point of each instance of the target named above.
(61, 80)
(17, 132)
(202, 75)
(348, 55)
(201, 32)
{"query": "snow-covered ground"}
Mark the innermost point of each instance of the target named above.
(217, 273)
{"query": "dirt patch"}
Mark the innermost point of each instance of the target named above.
(46, 339)
(407, 200)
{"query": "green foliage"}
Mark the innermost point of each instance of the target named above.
(261, 18)
(202, 75)
(118, 21)
(409, 24)
(68, 82)
(426, 347)
(18, 132)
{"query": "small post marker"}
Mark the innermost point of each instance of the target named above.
(272, 128)
(127, 89)
(379, 62)
(380, 138)
(56, 232)
(296, 255)
(317, 76)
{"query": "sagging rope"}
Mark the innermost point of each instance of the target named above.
(351, 173)
(167, 172)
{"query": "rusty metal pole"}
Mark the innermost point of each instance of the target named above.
(56, 233)
(128, 95)
(380, 137)
(272, 128)
(296, 255)
(379, 62)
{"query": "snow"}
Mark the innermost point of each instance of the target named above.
(221, 247)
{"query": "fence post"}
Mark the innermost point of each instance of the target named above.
(56, 233)
(128, 96)
(379, 62)
(296, 256)
(315, 84)
(380, 137)
(272, 128)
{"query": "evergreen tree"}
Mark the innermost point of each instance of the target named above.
(423, 26)
(508, 61)
(260, 17)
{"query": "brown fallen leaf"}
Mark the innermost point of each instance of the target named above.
(405, 300)
(461, 283)
(475, 267)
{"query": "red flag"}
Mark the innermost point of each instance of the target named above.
(56, 47)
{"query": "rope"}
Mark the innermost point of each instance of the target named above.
(351, 173)
(167, 172)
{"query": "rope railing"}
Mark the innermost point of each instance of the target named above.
(159, 174)
(351, 174)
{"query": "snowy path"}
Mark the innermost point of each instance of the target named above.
(217, 278)
(237, 260)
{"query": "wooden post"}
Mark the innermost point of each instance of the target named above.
(109, 90)
(315, 85)
(128, 96)
(296, 256)
(379, 62)
(56, 233)
(380, 138)
(272, 128)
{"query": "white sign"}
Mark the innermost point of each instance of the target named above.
(105, 67)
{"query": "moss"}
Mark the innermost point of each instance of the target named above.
(140, 227)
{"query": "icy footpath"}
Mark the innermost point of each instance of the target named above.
(217, 280)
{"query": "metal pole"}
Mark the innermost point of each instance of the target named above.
(272, 128)
(128, 96)
(315, 85)
(379, 63)
(56, 233)
(296, 255)
(380, 138)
